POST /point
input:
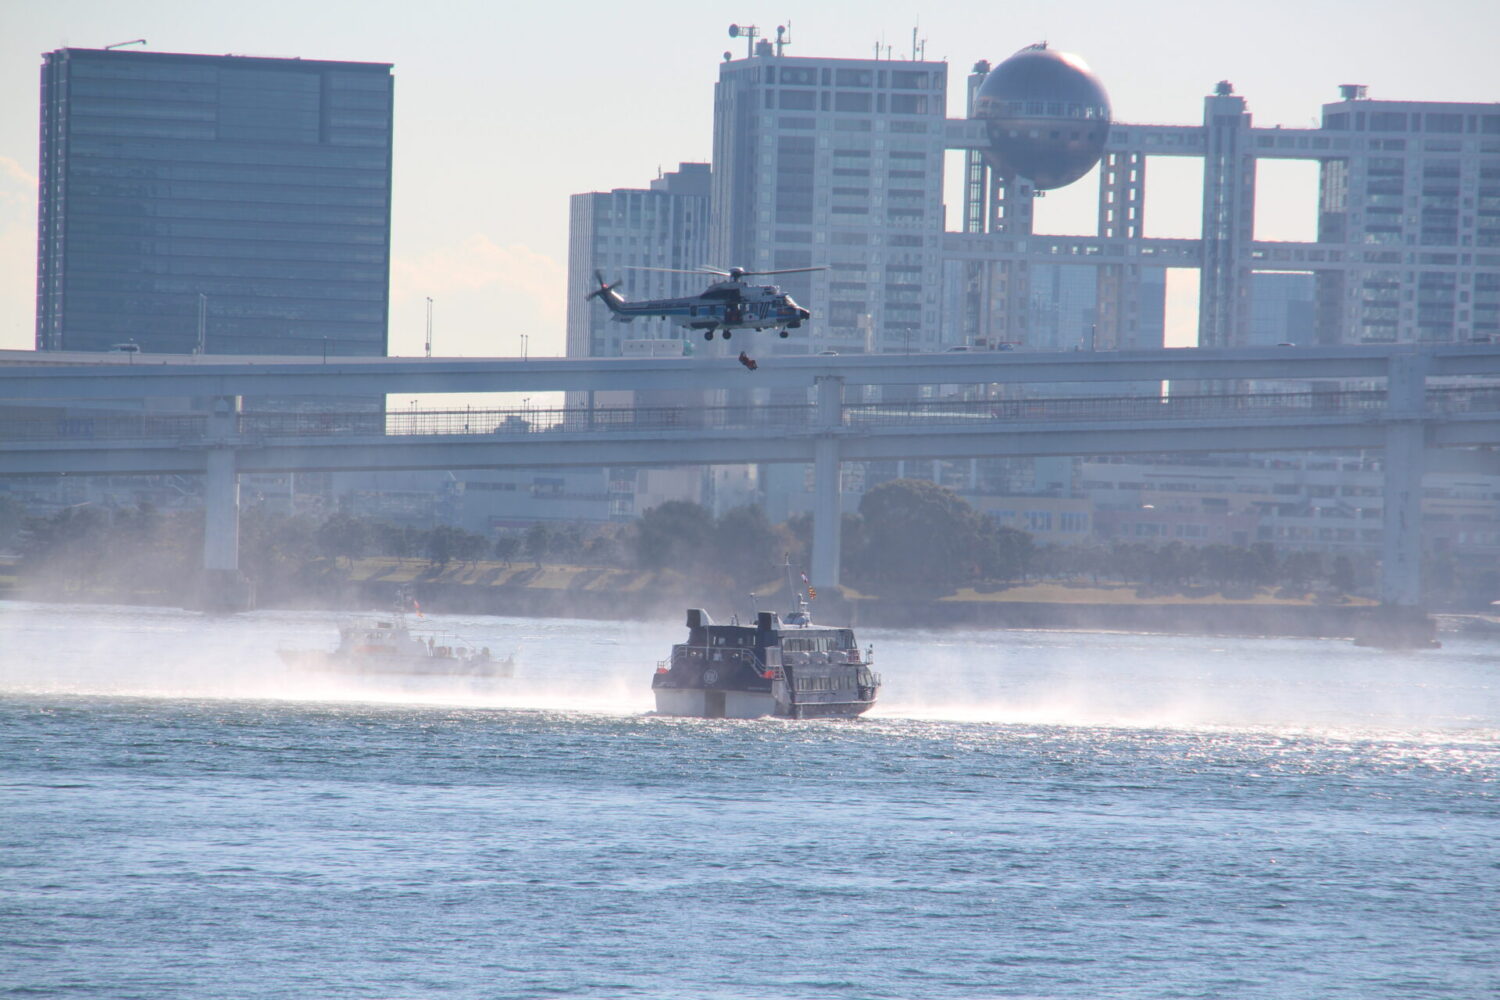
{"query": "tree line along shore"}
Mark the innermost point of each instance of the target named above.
(915, 554)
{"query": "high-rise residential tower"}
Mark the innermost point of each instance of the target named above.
(1412, 200)
(644, 238)
(836, 162)
(224, 204)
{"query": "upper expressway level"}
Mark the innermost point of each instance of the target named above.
(30, 375)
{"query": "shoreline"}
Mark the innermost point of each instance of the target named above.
(1156, 616)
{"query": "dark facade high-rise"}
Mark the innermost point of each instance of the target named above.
(228, 204)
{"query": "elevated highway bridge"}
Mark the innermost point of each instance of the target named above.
(1415, 399)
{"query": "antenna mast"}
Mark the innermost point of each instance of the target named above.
(749, 31)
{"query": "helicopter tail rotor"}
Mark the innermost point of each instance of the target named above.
(603, 288)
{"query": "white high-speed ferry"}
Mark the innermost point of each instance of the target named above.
(790, 668)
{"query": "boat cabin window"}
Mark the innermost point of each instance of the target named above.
(818, 643)
(741, 640)
(826, 683)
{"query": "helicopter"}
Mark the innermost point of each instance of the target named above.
(726, 305)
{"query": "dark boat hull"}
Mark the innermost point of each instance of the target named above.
(830, 710)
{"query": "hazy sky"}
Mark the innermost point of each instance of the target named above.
(503, 111)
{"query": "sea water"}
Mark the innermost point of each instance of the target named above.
(1025, 814)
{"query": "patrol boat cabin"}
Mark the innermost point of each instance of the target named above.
(789, 668)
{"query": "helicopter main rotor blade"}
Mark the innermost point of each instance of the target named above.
(667, 270)
(732, 272)
(791, 270)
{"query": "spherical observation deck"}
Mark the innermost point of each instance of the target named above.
(1046, 116)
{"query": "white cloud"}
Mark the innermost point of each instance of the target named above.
(486, 294)
(17, 256)
(17, 191)
(480, 264)
(11, 170)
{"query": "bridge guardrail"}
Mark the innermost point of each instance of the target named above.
(105, 427)
(1289, 404)
(261, 427)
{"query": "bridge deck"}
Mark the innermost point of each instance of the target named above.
(268, 427)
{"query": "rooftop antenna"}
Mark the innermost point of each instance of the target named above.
(118, 45)
(783, 37)
(749, 31)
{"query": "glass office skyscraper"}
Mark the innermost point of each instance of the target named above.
(231, 204)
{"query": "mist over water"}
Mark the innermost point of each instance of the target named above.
(1013, 677)
(1024, 814)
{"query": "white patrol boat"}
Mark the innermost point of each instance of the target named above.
(386, 645)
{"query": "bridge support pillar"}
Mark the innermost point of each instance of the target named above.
(827, 504)
(1402, 620)
(1401, 551)
(224, 588)
(827, 513)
